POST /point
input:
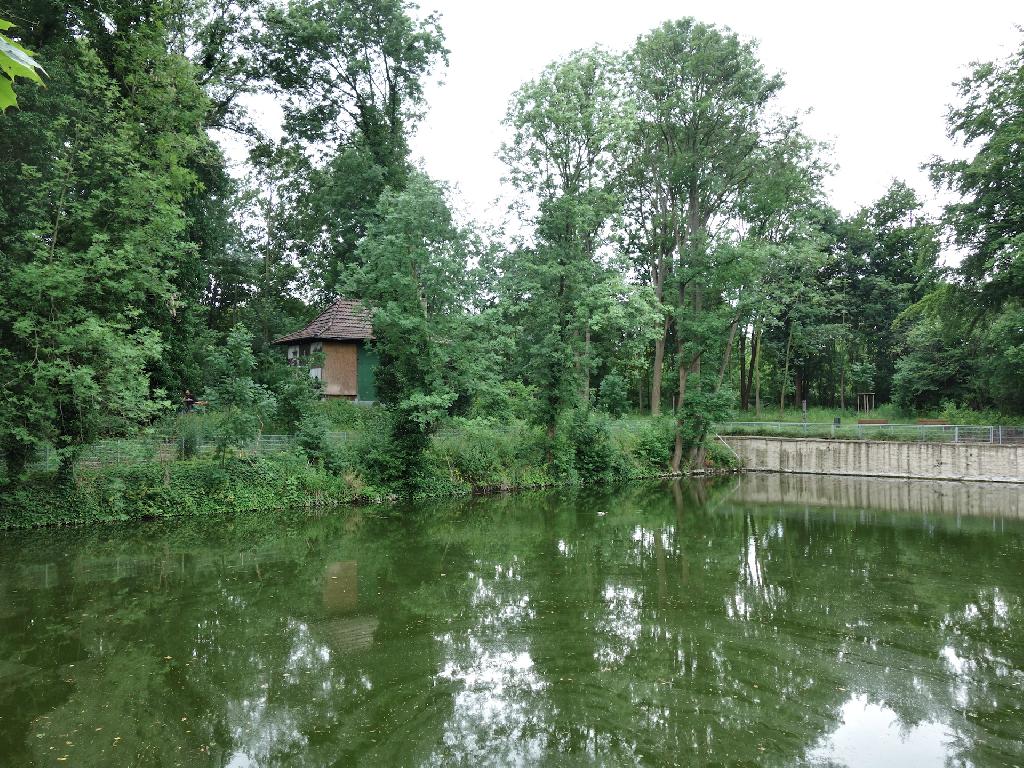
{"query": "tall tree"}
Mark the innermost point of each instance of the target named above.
(565, 128)
(411, 276)
(968, 340)
(350, 74)
(702, 96)
(888, 252)
(98, 164)
(987, 221)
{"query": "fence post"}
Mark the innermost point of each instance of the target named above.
(956, 434)
(992, 434)
(1000, 434)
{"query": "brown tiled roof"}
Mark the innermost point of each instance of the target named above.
(344, 320)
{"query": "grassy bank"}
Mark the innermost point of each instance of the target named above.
(950, 412)
(468, 456)
(178, 489)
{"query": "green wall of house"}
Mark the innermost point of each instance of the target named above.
(365, 370)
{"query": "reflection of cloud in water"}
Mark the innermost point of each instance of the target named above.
(620, 625)
(497, 707)
(871, 735)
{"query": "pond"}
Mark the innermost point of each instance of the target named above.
(754, 620)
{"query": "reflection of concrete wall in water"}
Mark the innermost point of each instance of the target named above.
(938, 461)
(349, 635)
(341, 596)
(341, 587)
(938, 497)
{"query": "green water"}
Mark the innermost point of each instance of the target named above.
(660, 624)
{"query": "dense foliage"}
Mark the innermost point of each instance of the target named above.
(678, 258)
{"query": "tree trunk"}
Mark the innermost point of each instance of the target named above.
(586, 365)
(755, 338)
(743, 369)
(785, 372)
(755, 367)
(677, 450)
(656, 371)
(842, 383)
(694, 225)
(728, 353)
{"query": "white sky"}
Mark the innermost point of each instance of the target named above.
(877, 76)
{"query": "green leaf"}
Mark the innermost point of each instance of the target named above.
(7, 97)
(15, 61)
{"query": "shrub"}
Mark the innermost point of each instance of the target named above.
(505, 401)
(347, 416)
(652, 443)
(297, 395)
(489, 454)
(189, 432)
(200, 487)
(595, 459)
(312, 439)
(613, 396)
(240, 404)
(720, 456)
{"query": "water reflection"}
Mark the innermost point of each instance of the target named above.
(737, 622)
(342, 632)
(872, 734)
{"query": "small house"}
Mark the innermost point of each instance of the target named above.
(342, 334)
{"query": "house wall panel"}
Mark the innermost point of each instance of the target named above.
(340, 371)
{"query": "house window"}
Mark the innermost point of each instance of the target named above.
(293, 352)
(316, 346)
(316, 373)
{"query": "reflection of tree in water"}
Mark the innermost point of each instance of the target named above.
(647, 624)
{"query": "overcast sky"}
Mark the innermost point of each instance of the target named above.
(876, 76)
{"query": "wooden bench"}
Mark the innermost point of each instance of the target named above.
(872, 421)
(933, 422)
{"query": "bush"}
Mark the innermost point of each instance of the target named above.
(720, 456)
(240, 405)
(613, 396)
(652, 443)
(482, 453)
(200, 487)
(297, 395)
(316, 445)
(505, 401)
(595, 459)
(346, 416)
(189, 432)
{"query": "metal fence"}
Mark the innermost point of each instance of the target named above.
(168, 448)
(940, 433)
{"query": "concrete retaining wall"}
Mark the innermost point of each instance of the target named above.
(932, 461)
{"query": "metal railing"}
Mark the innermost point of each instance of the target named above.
(168, 448)
(942, 433)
